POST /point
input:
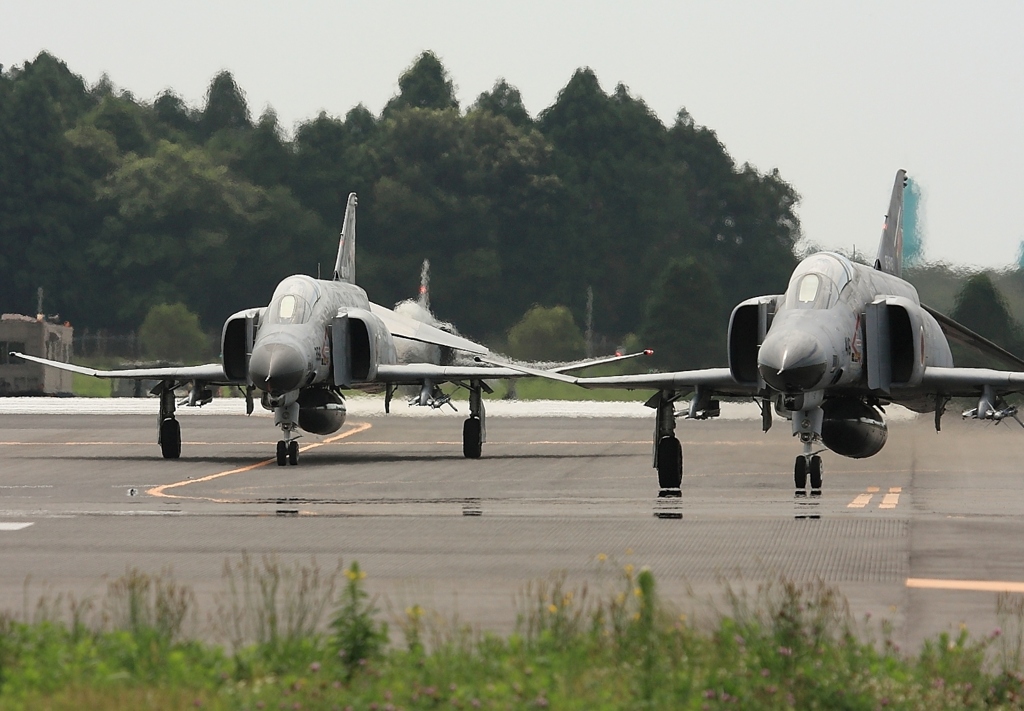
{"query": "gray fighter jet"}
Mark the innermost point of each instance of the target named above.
(316, 339)
(842, 342)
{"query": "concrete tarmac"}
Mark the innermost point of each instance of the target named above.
(925, 534)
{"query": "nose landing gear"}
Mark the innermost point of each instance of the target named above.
(808, 465)
(807, 426)
(287, 452)
(286, 416)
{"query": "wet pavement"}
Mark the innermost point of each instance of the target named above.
(923, 534)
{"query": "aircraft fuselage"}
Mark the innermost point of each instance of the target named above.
(292, 349)
(816, 341)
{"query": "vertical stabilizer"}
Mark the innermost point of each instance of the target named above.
(345, 266)
(890, 249)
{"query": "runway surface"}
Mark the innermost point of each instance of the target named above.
(924, 534)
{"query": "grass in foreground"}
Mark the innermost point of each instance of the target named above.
(787, 646)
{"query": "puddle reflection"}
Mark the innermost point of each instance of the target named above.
(807, 507)
(669, 504)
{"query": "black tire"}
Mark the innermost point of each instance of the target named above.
(816, 471)
(670, 463)
(293, 452)
(800, 473)
(282, 453)
(472, 447)
(170, 438)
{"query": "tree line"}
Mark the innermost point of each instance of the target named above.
(115, 205)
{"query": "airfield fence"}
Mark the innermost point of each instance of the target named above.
(105, 344)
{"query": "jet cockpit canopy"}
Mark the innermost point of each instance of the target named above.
(293, 301)
(818, 281)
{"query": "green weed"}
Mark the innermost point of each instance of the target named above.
(782, 645)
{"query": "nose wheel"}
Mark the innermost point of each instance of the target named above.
(287, 452)
(808, 466)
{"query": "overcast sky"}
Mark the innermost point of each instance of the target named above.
(837, 96)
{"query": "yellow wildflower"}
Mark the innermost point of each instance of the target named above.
(601, 557)
(552, 608)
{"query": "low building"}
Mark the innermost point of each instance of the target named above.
(38, 337)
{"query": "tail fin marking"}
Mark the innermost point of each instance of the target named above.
(890, 248)
(345, 266)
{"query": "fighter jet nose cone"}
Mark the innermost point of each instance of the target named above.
(792, 361)
(277, 368)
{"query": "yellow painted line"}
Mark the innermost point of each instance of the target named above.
(895, 489)
(890, 500)
(860, 502)
(970, 585)
(872, 489)
(161, 491)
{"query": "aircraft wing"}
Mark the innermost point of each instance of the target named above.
(717, 380)
(966, 382)
(410, 329)
(410, 373)
(212, 373)
(958, 333)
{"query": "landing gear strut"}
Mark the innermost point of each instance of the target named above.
(474, 433)
(286, 416)
(668, 453)
(807, 426)
(170, 431)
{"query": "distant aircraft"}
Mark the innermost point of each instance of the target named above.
(315, 339)
(842, 342)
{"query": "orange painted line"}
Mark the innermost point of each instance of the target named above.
(120, 444)
(970, 585)
(895, 489)
(872, 489)
(161, 491)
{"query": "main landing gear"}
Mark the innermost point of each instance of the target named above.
(170, 430)
(668, 453)
(474, 432)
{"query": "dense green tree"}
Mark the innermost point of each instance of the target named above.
(46, 203)
(226, 107)
(174, 114)
(115, 205)
(504, 100)
(125, 121)
(981, 308)
(685, 318)
(172, 332)
(546, 334)
(265, 158)
(332, 159)
(424, 85)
